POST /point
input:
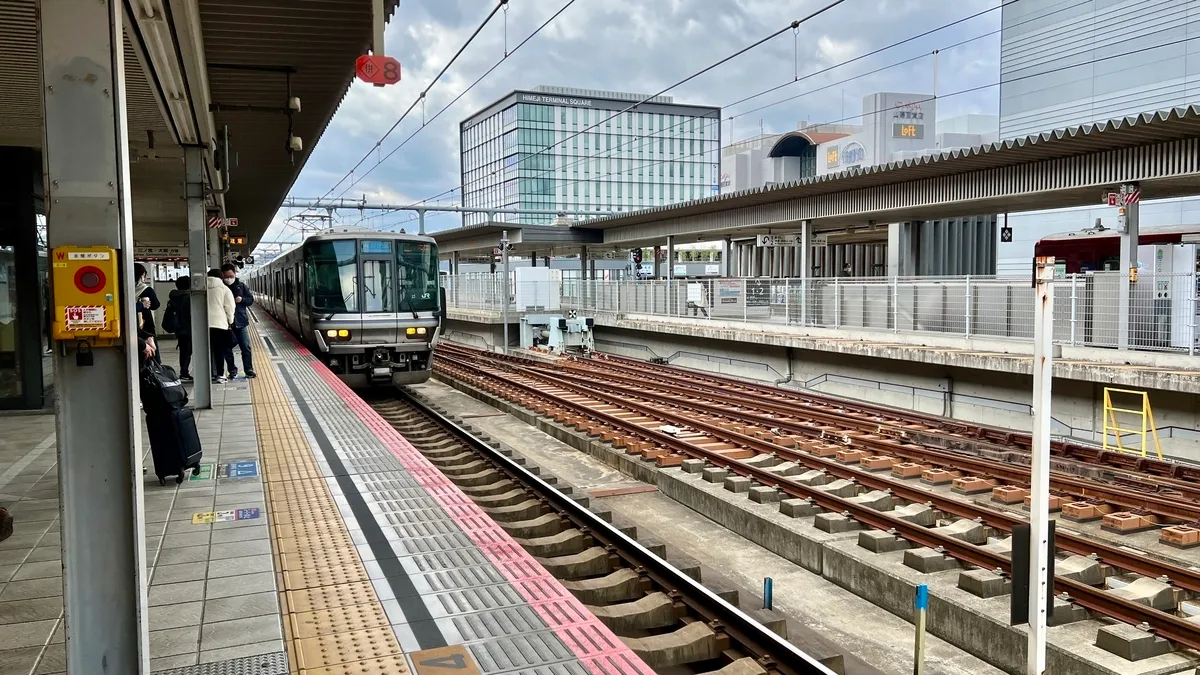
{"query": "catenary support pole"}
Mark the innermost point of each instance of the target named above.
(505, 296)
(97, 415)
(1039, 488)
(1129, 260)
(193, 161)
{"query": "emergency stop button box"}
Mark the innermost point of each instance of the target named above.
(85, 281)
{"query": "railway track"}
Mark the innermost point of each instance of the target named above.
(827, 468)
(669, 619)
(933, 430)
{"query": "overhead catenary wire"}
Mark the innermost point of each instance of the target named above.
(795, 80)
(791, 26)
(658, 134)
(959, 92)
(421, 97)
(456, 99)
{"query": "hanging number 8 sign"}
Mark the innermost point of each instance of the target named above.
(377, 70)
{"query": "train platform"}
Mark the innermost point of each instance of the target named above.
(1161, 370)
(315, 540)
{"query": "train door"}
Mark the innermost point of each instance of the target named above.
(381, 314)
(304, 316)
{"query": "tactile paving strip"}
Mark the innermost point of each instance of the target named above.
(335, 623)
(474, 583)
(265, 664)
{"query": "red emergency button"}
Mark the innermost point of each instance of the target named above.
(89, 279)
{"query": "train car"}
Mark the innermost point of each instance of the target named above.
(1099, 248)
(369, 304)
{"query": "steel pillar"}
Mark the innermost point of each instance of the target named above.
(214, 248)
(193, 160)
(98, 421)
(671, 275)
(1039, 488)
(804, 262)
(726, 254)
(505, 285)
(1130, 234)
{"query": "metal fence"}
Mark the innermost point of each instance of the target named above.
(1163, 309)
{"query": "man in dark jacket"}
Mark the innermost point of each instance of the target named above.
(243, 299)
(178, 320)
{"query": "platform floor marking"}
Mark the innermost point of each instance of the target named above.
(331, 614)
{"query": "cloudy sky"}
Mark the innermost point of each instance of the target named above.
(640, 46)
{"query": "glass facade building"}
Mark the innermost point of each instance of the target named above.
(569, 150)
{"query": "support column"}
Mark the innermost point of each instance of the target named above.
(453, 263)
(726, 254)
(902, 249)
(1130, 234)
(583, 275)
(804, 263)
(198, 267)
(214, 248)
(671, 275)
(98, 421)
(421, 223)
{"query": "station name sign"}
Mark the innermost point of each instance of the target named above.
(775, 240)
(557, 100)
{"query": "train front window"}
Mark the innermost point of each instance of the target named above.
(418, 276)
(332, 274)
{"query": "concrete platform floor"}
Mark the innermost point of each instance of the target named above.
(212, 590)
(801, 595)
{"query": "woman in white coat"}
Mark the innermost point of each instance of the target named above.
(221, 308)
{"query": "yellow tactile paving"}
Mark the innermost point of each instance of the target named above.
(334, 623)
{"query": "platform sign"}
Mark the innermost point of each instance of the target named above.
(453, 659)
(758, 293)
(243, 469)
(377, 70)
(230, 516)
(231, 222)
(206, 473)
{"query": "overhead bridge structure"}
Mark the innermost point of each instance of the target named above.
(1058, 169)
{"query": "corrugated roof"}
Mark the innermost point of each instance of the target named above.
(1173, 124)
(320, 40)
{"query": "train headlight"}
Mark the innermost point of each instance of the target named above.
(337, 334)
(331, 333)
(421, 331)
(415, 332)
(343, 333)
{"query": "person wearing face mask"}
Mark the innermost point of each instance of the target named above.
(147, 303)
(242, 298)
(220, 318)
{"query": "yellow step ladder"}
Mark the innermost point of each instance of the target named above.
(1144, 414)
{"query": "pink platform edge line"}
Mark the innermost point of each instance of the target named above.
(589, 640)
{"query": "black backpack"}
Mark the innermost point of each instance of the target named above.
(170, 319)
(161, 389)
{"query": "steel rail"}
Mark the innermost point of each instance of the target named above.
(772, 651)
(1185, 473)
(1128, 492)
(1083, 487)
(1166, 625)
(1184, 578)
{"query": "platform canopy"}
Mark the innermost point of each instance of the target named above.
(193, 67)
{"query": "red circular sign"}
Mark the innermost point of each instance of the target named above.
(90, 279)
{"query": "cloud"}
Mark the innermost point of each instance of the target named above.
(641, 47)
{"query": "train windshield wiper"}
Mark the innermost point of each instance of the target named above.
(404, 299)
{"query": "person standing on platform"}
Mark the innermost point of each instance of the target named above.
(220, 319)
(242, 298)
(178, 320)
(147, 303)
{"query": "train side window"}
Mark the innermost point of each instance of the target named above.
(278, 284)
(288, 294)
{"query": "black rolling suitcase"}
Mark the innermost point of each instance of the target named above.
(174, 443)
(174, 439)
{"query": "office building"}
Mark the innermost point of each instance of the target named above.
(1065, 63)
(561, 149)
